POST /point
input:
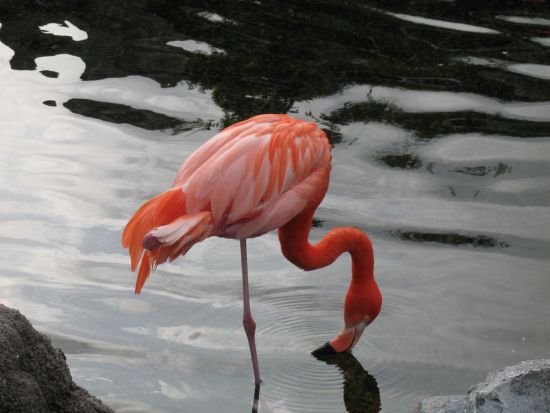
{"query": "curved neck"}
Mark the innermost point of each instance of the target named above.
(363, 299)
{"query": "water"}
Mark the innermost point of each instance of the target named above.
(440, 116)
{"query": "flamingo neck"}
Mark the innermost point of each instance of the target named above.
(363, 299)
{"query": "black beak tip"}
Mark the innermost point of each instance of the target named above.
(324, 351)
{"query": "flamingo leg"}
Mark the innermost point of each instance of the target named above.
(256, 401)
(248, 321)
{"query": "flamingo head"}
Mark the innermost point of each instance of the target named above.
(359, 313)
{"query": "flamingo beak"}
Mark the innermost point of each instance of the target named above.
(340, 344)
(323, 351)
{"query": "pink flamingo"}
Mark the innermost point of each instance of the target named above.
(267, 172)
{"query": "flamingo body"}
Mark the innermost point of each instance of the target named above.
(249, 179)
(270, 171)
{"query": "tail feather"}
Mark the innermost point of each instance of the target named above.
(144, 271)
(158, 211)
(163, 218)
(192, 229)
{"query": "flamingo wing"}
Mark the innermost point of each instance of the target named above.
(256, 175)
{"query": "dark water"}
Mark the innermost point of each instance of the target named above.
(439, 112)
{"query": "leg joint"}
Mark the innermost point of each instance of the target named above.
(249, 324)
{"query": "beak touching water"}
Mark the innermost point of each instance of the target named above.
(343, 342)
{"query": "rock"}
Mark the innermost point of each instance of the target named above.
(34, 376)
(444, 404)
(522, 388)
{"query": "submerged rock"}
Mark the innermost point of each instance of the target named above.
(522, 388)
(34, 376)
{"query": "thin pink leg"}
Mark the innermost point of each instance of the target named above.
(248, 321)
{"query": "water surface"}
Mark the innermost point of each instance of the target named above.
(439, 113)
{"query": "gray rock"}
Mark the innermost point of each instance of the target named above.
(522, 388)
(34, 376)
(444, 404)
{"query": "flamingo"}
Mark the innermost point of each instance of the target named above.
(268, 172)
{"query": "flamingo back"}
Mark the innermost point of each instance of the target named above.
(250, 170)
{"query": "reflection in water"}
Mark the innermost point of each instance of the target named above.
(451, 239)
(429, 125)
(256, 398)
(68, 29)
(117, 113)
(265, 56)
(444, 24)
(401, 160)
(361, 393)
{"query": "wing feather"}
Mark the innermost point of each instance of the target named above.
(252, 175)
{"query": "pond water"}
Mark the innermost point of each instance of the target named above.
(440, 117)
